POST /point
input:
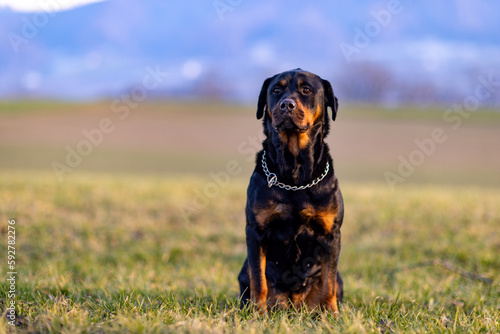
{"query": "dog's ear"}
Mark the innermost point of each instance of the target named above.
(330, 99)
(262, 104)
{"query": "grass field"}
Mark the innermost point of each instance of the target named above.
(118, 245)
(99, 253)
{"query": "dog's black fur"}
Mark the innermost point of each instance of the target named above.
(293, 237)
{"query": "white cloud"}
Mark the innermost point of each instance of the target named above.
(262, 53)
(43, 5)
(32, 80)
(192, 69)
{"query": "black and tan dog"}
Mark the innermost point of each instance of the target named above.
(294, 205)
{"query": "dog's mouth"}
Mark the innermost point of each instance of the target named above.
(287, 123)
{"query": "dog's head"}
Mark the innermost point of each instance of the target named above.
(295, 101)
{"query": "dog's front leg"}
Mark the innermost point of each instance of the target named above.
(329, 275)
(257, 271)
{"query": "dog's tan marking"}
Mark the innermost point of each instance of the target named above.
(269, 112)
(324, 217)
(329, 293)
(295, 141)
(315, 296)
(308, 212)
(317, 114)
(271, 211)
(278, 299)
(259, 296)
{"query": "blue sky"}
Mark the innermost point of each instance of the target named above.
(436, 49)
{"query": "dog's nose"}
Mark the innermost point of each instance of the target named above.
(288, 105)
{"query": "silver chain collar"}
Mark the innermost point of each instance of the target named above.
(272, 179)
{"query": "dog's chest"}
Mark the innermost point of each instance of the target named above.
(282, 221)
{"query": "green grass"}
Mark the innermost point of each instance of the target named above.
(102, 253)
(434, 113)
(40, 107)
(484, 115)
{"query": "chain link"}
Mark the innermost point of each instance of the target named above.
(272, 179)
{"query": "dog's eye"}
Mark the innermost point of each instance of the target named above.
(306, 90)
(276, 91)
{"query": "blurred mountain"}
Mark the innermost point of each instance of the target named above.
(382, 51)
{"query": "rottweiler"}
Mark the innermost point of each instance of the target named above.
(294, 207)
